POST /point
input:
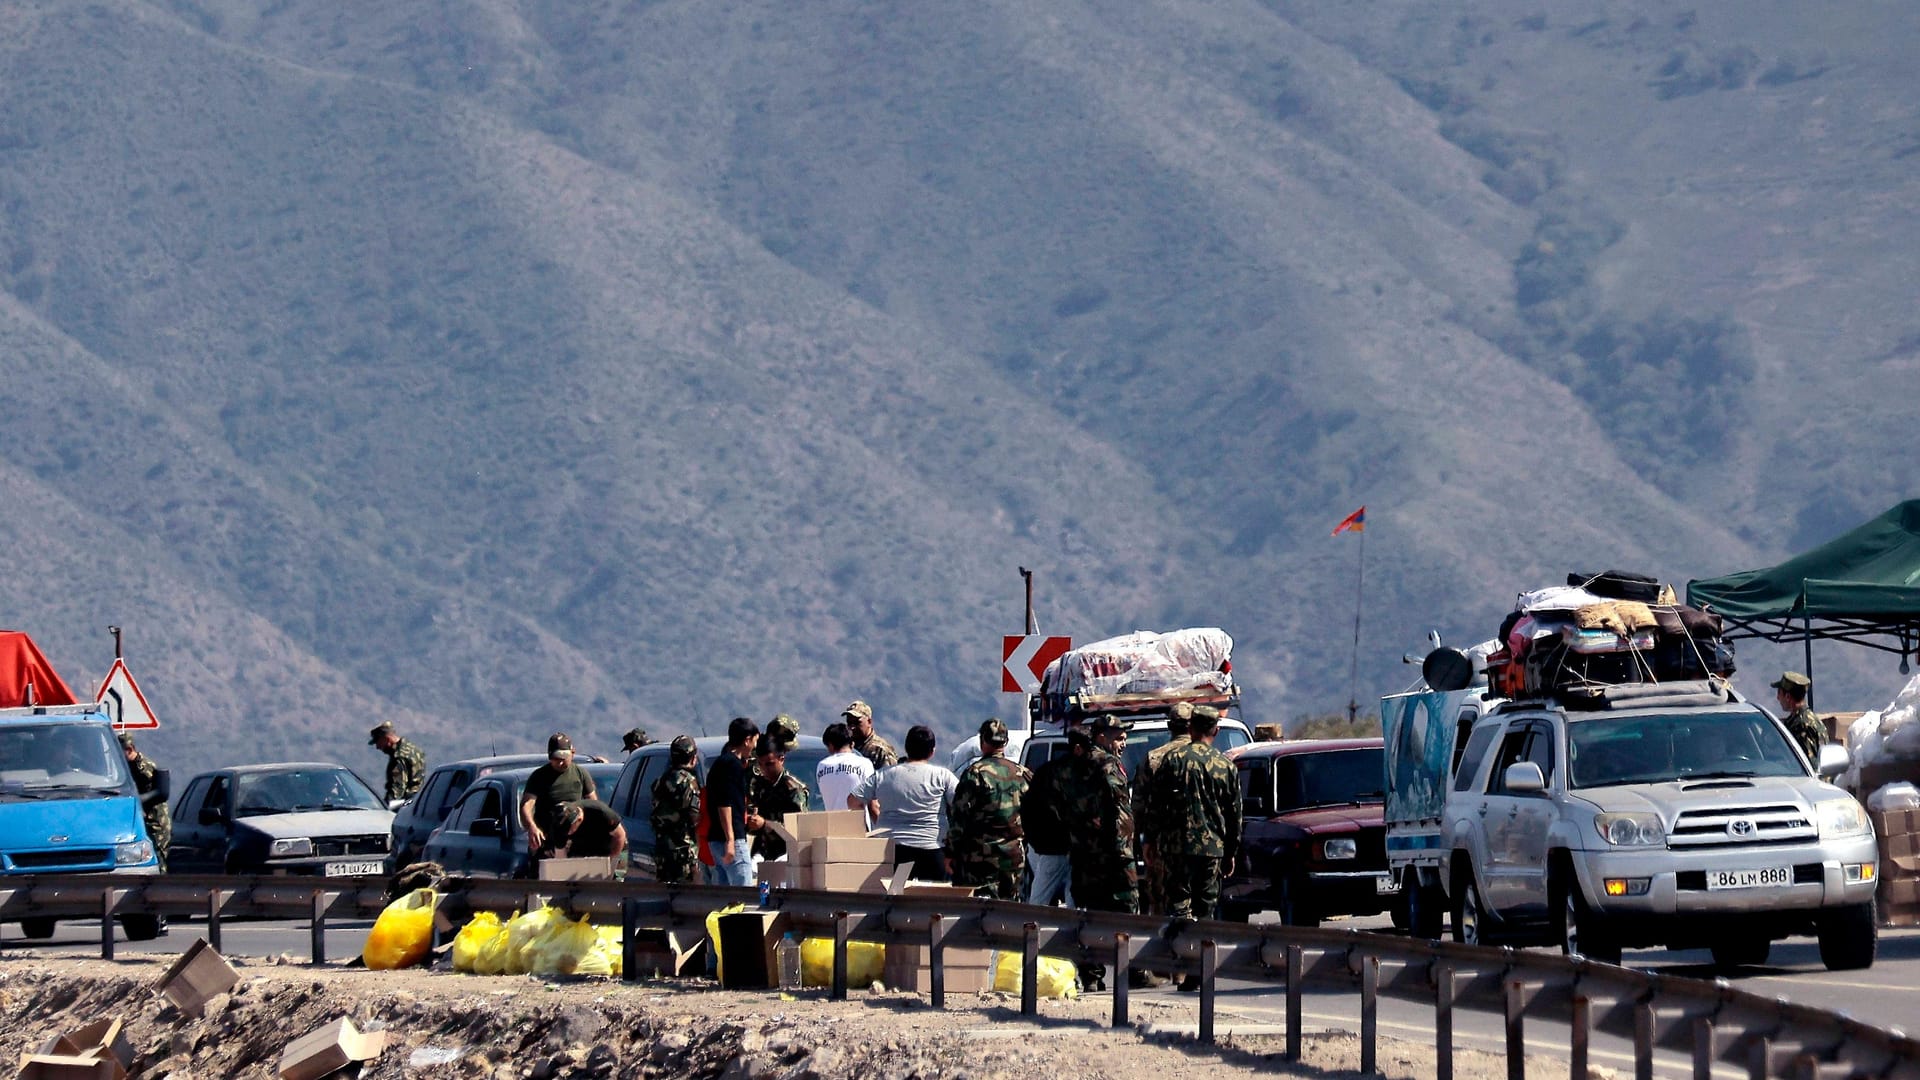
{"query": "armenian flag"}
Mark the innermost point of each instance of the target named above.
(1354, 522)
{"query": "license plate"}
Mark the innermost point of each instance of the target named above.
(1386, 885)
(1762, 878)
(356, 869)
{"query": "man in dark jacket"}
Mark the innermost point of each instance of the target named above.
(727, 786)
(558, 781)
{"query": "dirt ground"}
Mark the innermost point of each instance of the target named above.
(445, 1024)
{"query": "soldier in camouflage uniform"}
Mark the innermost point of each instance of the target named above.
(1196, 800)
(634, 739)
(983, 818)
(1790, 690)
(859, 719)
(1098, 810)
(149, 781)
(406, 765)
(1153, 896)
(785, 730)
(772, 794)
(676, 816)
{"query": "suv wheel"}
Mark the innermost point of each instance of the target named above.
(1294, 909)
(38, 928)
(141, 927)
(1468, 911)
(1741, 952)
(1426, 906)
(1579, 928)
(1848, 938)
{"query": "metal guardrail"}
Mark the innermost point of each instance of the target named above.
(1710, 1021)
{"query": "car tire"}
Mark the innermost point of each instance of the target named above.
(39, 928)
(1426, 906)
(1737, 952)
(1581, 930)
(1469, 913)
(140, 927)
(1293, 905)
(1848, 938)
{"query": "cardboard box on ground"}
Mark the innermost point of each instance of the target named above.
(1898, 897)
(830, 850)
(98, 1050)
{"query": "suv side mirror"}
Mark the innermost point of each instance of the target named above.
(1525, 778)
(1834, 760)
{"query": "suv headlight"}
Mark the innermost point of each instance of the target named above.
(1340, 847)
(1630, 830)
(1841, 817)
(134, 854)
(281, 849)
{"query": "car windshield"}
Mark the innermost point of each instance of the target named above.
(299, 790)
(1141, 743)
(40, 759)
(1329, 778)
(1667, 747)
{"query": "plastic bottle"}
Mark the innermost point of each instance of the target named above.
(787, 958)
(765, 891)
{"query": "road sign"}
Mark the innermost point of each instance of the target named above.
(1024, 658)
(126, 706)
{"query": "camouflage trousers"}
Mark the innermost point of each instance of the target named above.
(160, 831)
(676, 864)
(997, 873)
(1104, 884)
(1193, 886)
(1153, 881)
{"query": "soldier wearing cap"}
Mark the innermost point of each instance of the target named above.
(859, 719)
(983, 821)
(559, 781)
(151, 782)
(590, 828)
(1196, 826)
(1153, 898)
(406, 765)
(1790, 690)
(784, 730)
(634, 739)
(773, 793)
(1098, 809)
(676, 816)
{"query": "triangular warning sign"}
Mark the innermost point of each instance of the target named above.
(126, 706)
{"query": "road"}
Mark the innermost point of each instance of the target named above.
(1886, 995)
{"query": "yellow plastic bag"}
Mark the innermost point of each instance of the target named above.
(491, 957)
(866, 962)
(713, 936)
(1058, 979)
(403, 932)
(522, 931)
(561, 947)
(604, 957)
(473, 939)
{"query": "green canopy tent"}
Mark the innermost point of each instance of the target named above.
(1863, 587)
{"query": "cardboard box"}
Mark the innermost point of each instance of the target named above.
(1899, 892)
(672, 953)
(747, 941)
(873, 850)
(901, 883)
(815, 824)
(100, 1039)
(69, 1067)
(329, 1049)
(592, 867)
(199, 976)
(967, 971)
(847, 877)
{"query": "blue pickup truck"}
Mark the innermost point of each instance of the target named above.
(68, 804)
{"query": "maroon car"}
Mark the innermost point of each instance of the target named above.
(1313, 843)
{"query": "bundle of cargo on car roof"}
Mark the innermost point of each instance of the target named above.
(1603, 630)
(1143, 673)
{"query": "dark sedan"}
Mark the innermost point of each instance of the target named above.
(483, 836)
(1314, 842)
(293, 818)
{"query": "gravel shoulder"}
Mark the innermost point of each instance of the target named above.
(446, 1024)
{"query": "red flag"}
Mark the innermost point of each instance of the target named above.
(1354, 522)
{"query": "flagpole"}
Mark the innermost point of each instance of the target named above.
(1359, 593)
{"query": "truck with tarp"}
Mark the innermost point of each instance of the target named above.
(68, 803)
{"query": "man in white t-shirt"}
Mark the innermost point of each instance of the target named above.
(909, 801)
(842, 769)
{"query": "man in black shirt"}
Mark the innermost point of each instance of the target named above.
(590, 827)
(727, 784)
(558, 781)
(1046, 835)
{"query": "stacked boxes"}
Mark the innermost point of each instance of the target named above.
(1898, 899)
(830, 850)
(967, 971)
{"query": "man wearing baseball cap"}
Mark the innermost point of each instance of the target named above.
(858, 716)
(406, 764)
(983, 822)
(634, 739)
(676, 816)
(1790, 690)
(151, 782)
(558, 781)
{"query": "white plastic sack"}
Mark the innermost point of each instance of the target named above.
(1144, 662)
(1899, 795)
(1557, 598)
